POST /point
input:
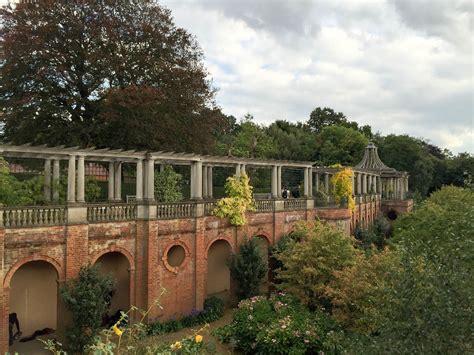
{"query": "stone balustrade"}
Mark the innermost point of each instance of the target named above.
(294, 204)
(111, 212)
(264, 206)
(209, 207)
(175, 210)
(33, 216)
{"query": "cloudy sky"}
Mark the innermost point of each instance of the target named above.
(402, 66)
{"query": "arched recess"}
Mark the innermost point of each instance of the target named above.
(263, 244)
(118, 266)
(34, 296)
(218, 273)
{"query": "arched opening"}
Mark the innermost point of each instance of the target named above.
(218, 273)
(392, 215)
(263, 246)
(117, 265)
(34, 301)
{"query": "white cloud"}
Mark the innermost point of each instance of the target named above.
(372, 60)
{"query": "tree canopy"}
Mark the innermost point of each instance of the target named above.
(72, 71)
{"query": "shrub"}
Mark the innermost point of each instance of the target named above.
(376, 235)
(168, 185)
(237, 202)
(309, 266)
(247, 268)
(277, 325)
(212, 311)
(87, 299)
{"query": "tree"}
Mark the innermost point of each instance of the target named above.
(341, 145)
(248, 140)
(168, 185)
(248, 268)
(73, 71)
(87, 297)
(406, 153)
(432, 296)
(309, 266)
(325, 117)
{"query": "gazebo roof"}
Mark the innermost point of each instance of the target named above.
(372, 161)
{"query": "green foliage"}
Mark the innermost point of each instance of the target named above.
(434, 292)
(239, 200)
(309, 266)
(112, 85)
(86, 297)
(213, 310)
(341, 185)
(286, 242)
(248, 268)
(341, 145)
(376, 235)
(168, 185)
(278, 325)
(92, 189)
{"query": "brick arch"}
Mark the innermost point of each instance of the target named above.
(34, 257)
(115, 249)
(264, 235)
(221, 237)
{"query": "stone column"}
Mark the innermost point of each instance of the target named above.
(306, 182)
(118, 181)
(150, 180)
(364, 184)
(204, 182)
(71, 180)
(198, 185)
(326, 183)
(110, 182)
(359, 184)
(406, 183)
(353, 183)
(81, 179)
(274, 181)
(210, 193)
(317, 182)
(310, 182)
(139, 181)
(374, 179)
(56, 172)
(237, 170)
(279, 187)
(47, 180)
(242, 169)
(192, 182)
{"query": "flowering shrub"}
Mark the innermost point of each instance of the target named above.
(239, 200)
(278, 325)
(341, 183)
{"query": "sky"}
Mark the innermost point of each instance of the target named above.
(401, 66)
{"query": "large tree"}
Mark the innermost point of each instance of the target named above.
(64, 61)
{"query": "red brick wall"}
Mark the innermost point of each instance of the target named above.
(145, 244)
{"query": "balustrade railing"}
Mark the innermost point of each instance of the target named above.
(293, 204)
(209, 207)
(33, 216)
(111, 212)
(175, 210)
(264, 205)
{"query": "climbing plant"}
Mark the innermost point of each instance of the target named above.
(341, 183)
(238, 200)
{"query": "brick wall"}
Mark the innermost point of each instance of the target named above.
(145, 244)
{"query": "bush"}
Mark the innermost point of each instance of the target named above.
(248, 268)
(309, 266)
(277, 325)
(168, 185)
(213, 310)
(87, 299)
(376, 235)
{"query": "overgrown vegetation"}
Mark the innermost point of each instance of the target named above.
(168, 185)
(238, 200)
(212, 311)
(87, 298)
(279, 325)
(341, 184)
(248, 268)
